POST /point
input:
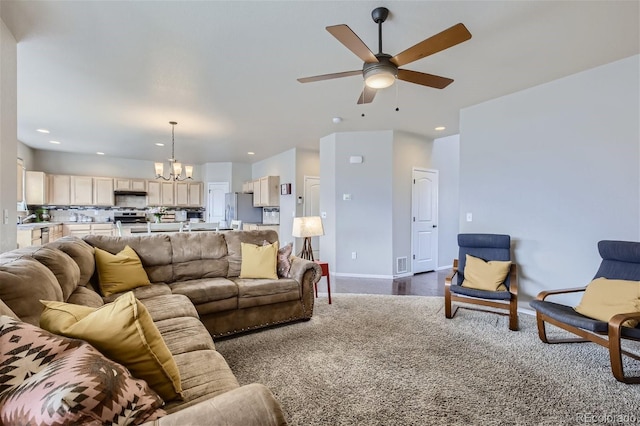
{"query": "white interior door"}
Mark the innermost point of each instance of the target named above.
(215, 201)
(424, 228)
(312, 206)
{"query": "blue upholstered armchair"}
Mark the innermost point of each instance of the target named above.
(620, 261)
(487, 247)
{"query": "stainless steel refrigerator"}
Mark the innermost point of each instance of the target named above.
(239, 206)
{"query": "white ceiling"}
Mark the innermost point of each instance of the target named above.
(109, 76)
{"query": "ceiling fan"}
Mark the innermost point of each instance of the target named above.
(381, 70)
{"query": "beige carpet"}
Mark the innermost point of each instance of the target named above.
(395, 360)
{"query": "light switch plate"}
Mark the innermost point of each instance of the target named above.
(323, 215)
(469, 217)
(346, 197)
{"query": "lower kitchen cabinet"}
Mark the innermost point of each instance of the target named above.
(80, 230)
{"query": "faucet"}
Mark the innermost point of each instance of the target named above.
(31, 216)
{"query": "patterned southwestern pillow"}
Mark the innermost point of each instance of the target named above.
(47, 379)
(284, 261)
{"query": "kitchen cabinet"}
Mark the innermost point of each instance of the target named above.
(59, 190)
(36, 188)
(81, 229)
(247, 187)
(167, 192)
(124, 184)
(195, 194)
(29, 237)
(55, 232)
(188, 194)
(81, 190)
(266, 191)
(160, 193)
(259, 227)
(103, 191)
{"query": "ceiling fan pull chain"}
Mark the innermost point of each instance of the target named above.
(397, 107)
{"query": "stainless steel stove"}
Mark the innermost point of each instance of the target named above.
(129, 216)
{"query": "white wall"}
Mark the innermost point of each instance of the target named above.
(445, 157)
(8, 138)
(27, 154)
(409, 151)
(556, 167)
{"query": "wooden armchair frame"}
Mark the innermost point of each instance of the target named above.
(511, 306)
(612, 340)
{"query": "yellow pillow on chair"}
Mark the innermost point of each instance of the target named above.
(605, 298)
(483, 275)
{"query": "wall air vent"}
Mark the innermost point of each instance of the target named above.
(401, 265)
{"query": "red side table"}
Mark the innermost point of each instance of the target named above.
(325, 273)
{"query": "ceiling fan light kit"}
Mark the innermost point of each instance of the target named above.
(381, 70)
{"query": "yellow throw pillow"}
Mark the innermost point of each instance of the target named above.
(124, 332)
(120, 272)
(483, 275)
(605, 298)
(259, 261)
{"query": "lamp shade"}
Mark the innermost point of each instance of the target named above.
(308, 226)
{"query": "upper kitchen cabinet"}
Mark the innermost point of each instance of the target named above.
(81, 190)
(160, 193)
(103, 191)
(36, 188)
(59, 190)
(123, 184)
(188, 194)
(269, 191)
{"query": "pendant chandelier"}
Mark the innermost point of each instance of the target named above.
(175, 167)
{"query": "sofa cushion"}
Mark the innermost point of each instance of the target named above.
(5, 310)
(154, 251)
(124, 332)
(259, 261)
(120, 272)
(144, 292)
(185, 334)
(205, 290)
(81, 252)
(199, 384)
(23, 281)
(234, 249)
(49, 379)
(85, 296)
(256, 292)
(62, 265)
(169, 306)
(199, 255)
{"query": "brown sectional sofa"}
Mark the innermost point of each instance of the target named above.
(195, 294)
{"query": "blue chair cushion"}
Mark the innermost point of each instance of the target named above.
(620, 260)
(567, 315)
(482, 294)
(484, 246)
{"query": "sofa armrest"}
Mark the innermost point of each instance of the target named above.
(300, 266)
(248, 405)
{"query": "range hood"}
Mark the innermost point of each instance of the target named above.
(126, 192)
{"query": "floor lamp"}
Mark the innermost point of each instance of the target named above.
(307, 227)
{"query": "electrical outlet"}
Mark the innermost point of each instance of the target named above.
(354, 255)
(469, 217)
(346, 197)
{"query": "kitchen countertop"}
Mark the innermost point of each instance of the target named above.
(37, 225)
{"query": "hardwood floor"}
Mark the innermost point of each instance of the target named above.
(424, 284)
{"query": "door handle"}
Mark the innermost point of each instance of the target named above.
(435, 226)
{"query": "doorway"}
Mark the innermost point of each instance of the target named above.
(215, 201)
(424, 225)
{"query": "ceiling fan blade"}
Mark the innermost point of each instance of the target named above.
(346, 36)
(329, 76)
(424, 79)
(434, 44)
(367, 95)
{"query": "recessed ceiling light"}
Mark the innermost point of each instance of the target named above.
(251, 153)
(440, 128)
(42, 130)
(336, 120)
(55, 142)
(100, 153)
(159, 144)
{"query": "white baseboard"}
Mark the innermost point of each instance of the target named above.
(345, 275)
(441, 268)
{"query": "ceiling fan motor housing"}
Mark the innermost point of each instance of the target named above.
(381, 74)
